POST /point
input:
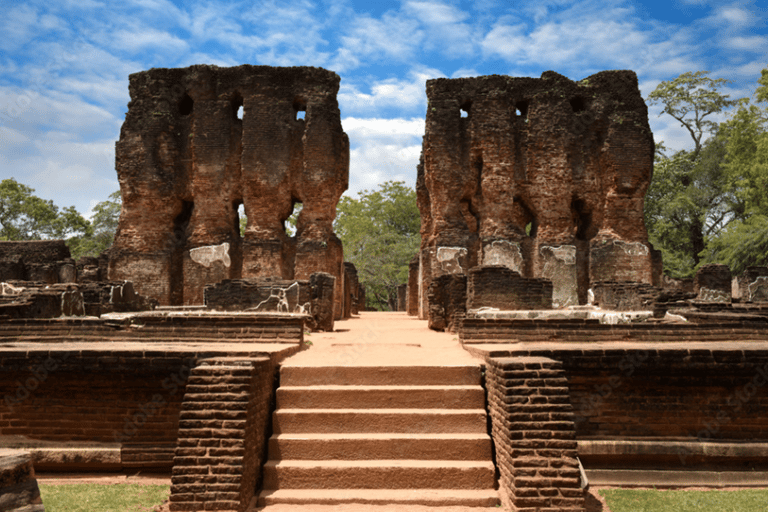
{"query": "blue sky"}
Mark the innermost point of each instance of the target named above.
(64, 65)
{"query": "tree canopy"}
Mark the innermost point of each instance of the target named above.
(24, 216)
(380, 233)
(710, 204)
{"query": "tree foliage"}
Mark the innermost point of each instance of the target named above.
(24, 216)
(106, 215)
(380, 233)
(687, 202)
(710, 204)
(691, 98)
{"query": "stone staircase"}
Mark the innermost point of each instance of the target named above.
(380, 435)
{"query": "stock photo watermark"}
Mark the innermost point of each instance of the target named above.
(40, 374)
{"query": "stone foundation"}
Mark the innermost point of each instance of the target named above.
(18, 486)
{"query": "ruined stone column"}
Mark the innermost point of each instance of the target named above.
(546, 177)
(188, 157)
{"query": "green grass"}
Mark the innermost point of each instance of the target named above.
(634, 500)
(104, 498)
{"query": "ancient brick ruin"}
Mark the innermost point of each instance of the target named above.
(39, 279)
(544, 176)
(529, 201)
(187, 159)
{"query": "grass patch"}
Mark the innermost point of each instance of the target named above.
(645, 500)
(104, 498)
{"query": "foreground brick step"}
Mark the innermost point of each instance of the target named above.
(424, 497)
(381, 397)
(380, 375)
(380, 446)
(329, 421)
(379, 474)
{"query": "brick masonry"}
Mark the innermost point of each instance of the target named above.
(90, 381)
(502, 288)
(222, 435)
(534, 434)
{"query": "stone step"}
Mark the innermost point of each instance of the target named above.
(378, 474)
(419, 497)
(380, 375)
(380, 446)
(329, 421)
(381, 397)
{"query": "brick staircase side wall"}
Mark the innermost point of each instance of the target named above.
(222, 435)
(534, 435)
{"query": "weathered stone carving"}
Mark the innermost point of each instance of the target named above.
(187, 160)
(313, 297)
(544, 176)
(713, 283)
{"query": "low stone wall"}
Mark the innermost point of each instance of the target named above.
(121, 399)
(534, 434)
(66, 383)
(502, 288)
(222, 435)
(662, 408)
(500, 330)
(625, 295)
(313, 298)
(713, 283)
(159, 327)
(18, 486)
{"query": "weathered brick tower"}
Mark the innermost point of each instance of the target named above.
(187, 159)
(543, 175)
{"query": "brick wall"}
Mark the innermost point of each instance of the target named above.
(496, 330)
(150, 328)
(667, 393)
(222, 435)
(534, 434)
(625, 295)
(131, 398)
(503, 288)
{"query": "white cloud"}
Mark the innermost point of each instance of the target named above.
(392, 37)
(405, 95)
(143, 38)
(382, 150)
(751, 43)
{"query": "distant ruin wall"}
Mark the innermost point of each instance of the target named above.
(196, 144)
(544, 176)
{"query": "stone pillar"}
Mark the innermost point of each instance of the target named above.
(412, 292)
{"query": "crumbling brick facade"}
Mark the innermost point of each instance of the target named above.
(544, 176)
(186, 161)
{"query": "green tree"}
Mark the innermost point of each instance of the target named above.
(745, 241)
(380, 233)
(106, 215)
(24, 216)
(688, 201)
